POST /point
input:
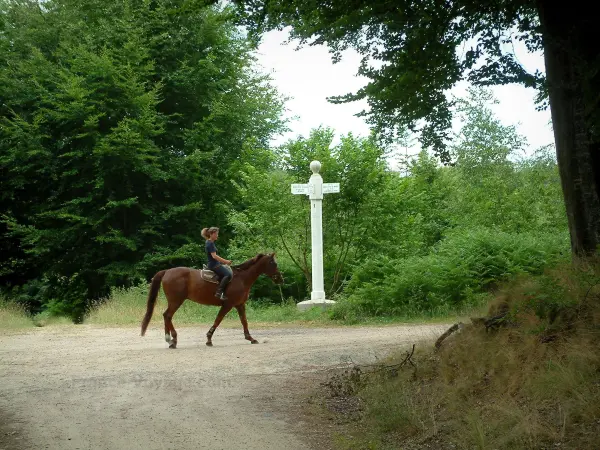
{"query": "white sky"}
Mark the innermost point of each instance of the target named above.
(308, 76)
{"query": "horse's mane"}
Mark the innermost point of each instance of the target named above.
(249, 263)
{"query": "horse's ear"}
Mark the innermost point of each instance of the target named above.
(273, 255)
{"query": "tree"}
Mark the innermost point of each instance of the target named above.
(414, 51)
(271, 217)
(119, 122)
(485, 177)
(492, 184)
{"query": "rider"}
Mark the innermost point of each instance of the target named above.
(215, 263)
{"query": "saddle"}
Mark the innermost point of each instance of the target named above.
(209, 275)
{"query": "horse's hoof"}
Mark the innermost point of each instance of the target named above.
(254, 341)
(173, 346)
(209, 344)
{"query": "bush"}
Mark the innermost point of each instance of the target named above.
(530, 385)
(452, 276)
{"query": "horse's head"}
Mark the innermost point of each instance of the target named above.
(271, 269)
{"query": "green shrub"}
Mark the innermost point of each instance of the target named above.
(452, 276)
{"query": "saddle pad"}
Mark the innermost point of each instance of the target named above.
(209, 275)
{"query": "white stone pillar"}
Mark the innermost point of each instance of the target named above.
(316, 226)
(315, 190)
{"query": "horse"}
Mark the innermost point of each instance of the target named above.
(184, 283)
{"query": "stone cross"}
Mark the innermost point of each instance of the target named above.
(315, 190)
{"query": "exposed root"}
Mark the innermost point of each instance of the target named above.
(452, 329)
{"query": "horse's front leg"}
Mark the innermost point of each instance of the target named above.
(222, 313)
(241, 309)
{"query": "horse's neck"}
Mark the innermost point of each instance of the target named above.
(253, 273)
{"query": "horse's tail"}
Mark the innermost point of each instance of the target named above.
(152, 299)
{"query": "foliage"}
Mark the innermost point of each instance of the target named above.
(118, 124)
(425, 243)
(415, 51)
(464, 264)
(412, 51)
(530, 385)
(273, 217)
(126, 127)
(493, 184)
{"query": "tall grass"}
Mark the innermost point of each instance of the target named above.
(128, 306)
(13, 316)
(531, 385)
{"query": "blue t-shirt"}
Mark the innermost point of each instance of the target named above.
(211, 248)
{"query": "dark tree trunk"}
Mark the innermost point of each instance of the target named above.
(572, 52)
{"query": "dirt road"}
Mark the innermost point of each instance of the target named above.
(85, 387)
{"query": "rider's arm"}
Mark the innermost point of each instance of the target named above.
(218, 258)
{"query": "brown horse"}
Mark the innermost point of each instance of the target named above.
(181, 283)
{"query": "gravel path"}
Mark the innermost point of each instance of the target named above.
(86, 387)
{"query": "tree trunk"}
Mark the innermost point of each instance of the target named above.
(572, 52)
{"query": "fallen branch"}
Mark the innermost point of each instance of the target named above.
(494, 322)
(452, 329)
(353, 378)
(382, 367)
(544, 339)
(497, 321)
(404, 361)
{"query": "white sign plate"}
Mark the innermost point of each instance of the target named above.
(300, 189)
(331, 188)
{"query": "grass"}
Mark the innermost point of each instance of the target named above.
(533, 384)
(13, 316)
(128, 306)
(45, 319)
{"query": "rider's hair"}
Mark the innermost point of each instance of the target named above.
(207, 232)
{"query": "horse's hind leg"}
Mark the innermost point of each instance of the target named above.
(241, 309)
(222, 313)
(170, 333)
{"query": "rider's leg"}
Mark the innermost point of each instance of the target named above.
(224, 274)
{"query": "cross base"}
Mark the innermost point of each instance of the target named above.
(307, 304)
